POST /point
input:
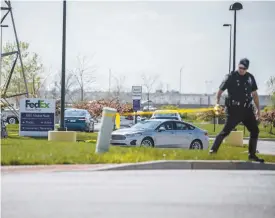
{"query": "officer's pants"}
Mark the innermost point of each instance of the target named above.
(235, 115)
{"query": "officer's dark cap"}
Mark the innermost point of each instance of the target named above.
(245, 62)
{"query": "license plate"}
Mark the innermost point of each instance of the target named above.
(73, 121)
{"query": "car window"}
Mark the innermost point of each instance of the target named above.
(165, 118)
(168, 125)
(181, 126)
(164, 114)
(74, 113)
(147, 124)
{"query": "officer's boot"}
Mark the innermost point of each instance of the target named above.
(252, 150)
(215, 147)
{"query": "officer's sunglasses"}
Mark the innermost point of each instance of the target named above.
(242, 68)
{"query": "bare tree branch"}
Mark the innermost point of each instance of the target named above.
(119, 85)
(84, 74)
(271, 85)
(149, 81)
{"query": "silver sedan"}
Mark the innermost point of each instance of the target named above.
(162, 133)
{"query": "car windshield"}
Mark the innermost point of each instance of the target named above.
(163, 114)
(73, 113)
(147, 124)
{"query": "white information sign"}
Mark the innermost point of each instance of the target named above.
(37, 117)
(136, 92)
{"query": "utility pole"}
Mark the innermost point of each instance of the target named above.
(110, 75)
(180, 77)
(63, 68)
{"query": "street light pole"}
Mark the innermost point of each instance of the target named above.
(180, 78)
(235, 7)
(110, 75)
(230, 40)
(63, 74)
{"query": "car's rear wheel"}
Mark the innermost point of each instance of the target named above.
(196, 145)
(147, 142)
(12, 120)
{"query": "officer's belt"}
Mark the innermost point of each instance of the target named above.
(240, 104)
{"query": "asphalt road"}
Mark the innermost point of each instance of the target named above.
(265, 147)
(142, 194)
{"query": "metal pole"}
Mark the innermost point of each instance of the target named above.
(110, 81)
(230, 49)
(180, 79)
(214, 122)
(1, 50)
(148, 99)
(19, 52)
(234, 43)
(63, 75)
(1, 56)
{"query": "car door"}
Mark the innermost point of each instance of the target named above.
(166, 139)
(183, 135)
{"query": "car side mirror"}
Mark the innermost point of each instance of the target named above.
(161, 129)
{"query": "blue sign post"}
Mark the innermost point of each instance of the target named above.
(136, 104)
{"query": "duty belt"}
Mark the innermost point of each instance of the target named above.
(241, 104)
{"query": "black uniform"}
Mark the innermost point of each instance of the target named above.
(239, 108)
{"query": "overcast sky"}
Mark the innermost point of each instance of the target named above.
(133, 38)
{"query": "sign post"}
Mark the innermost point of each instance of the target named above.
(136, 97)
(37, 117)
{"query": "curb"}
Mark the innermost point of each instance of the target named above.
(192, 165)
(52, 168)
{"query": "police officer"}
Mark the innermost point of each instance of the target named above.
(242, 90)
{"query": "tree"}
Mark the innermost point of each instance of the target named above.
(271, 89)
(268, 117)
(32, 67)
(69, 86)
(83, 74)
(119, 86)
(95, 107)
(148, 82)
(210, 115)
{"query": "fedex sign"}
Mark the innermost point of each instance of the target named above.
(39, 104)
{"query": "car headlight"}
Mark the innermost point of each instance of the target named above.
(133, 135)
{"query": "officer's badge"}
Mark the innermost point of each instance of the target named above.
(249, 81)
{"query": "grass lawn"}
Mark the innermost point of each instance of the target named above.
(17, 150)
(264, 133)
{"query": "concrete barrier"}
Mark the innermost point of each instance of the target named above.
(66, 136)
(104, 135)
(235, 138)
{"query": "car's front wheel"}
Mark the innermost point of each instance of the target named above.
(196, 144)
(147, 142)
